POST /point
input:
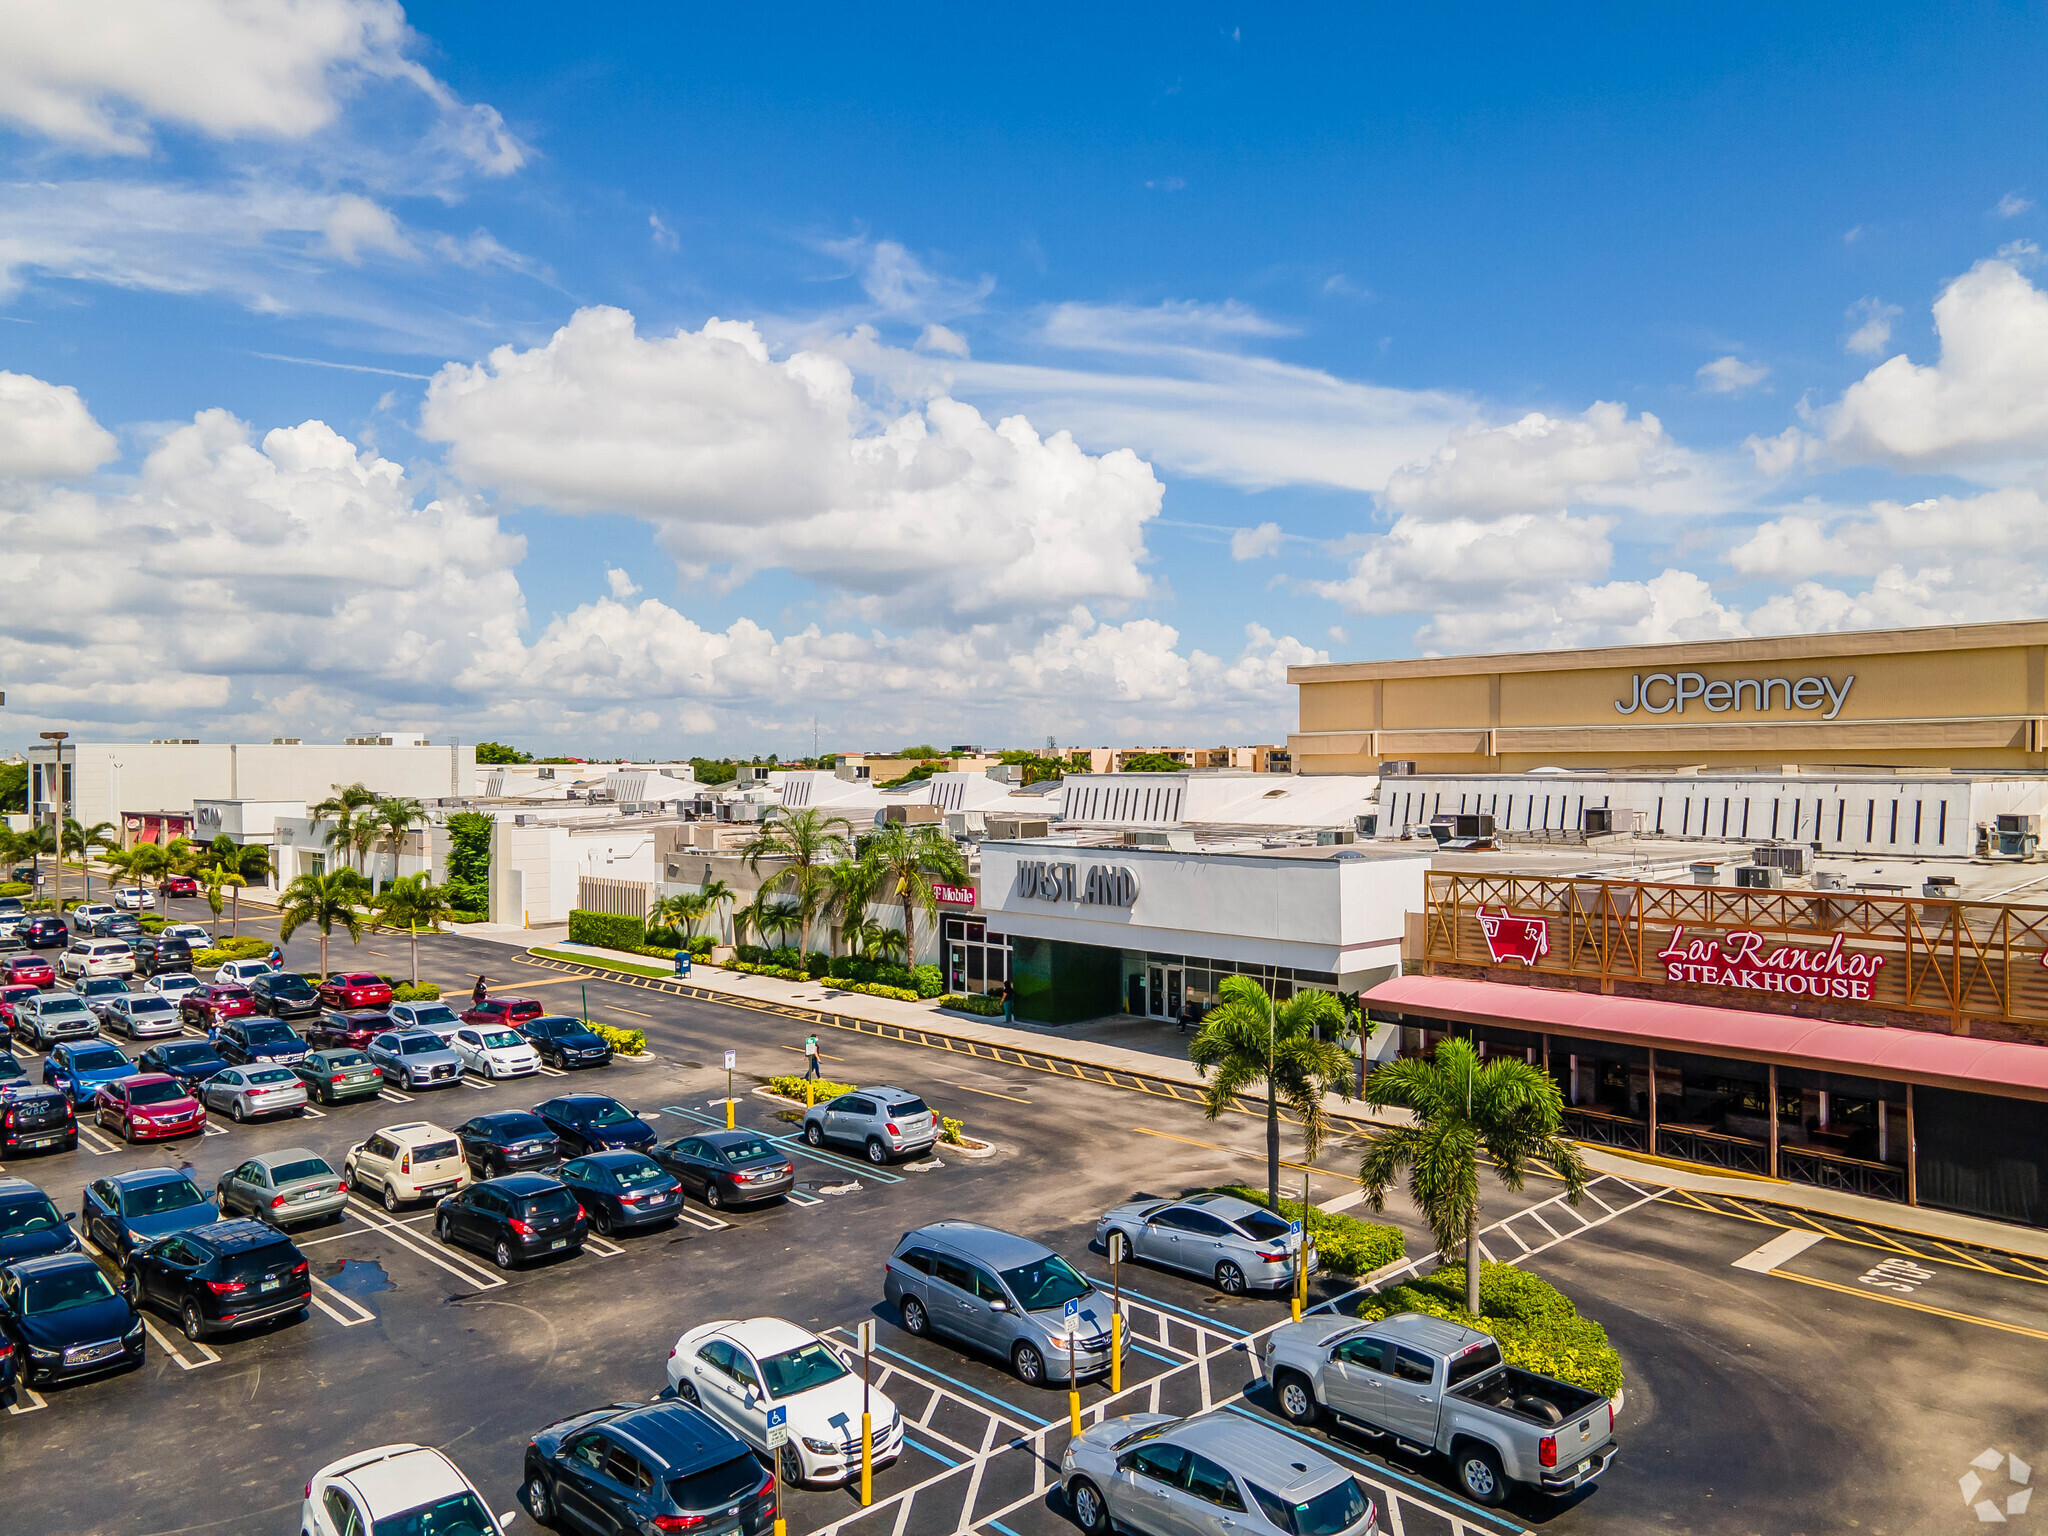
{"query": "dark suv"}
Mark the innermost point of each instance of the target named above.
(647, 1467)
(37, 1119)
(226, 1275)
(284, 995)
(156, 953)
(246, 1040)
(46, 931)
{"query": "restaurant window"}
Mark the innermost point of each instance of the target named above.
(1685, 819)
(1660, 812)
(1745, 815)
(1776, 806)
(1725, 805)
(976, 960)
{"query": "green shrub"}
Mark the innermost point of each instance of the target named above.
(791, 1086)
(782, 972)
(627, 1042)
(665, 934)
(857, 968)
(15, 887)
(700, 945)
(1345, 1245)
(607, 930)
(928, 980)
(415, 992)
(465, 917)
(149, 924)
(753, 954)
(598, 963)
(1538, 1327)
(950, 1130)
(876, 989)
(987, 1007)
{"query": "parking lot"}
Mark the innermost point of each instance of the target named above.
(1756, 1396)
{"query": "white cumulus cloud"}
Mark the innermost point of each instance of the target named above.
(1873, 322)
(1256, 543)
(46, 431)
(1730, 376)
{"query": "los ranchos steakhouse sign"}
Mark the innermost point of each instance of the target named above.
(1741, 959)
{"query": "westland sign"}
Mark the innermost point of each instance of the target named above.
(1665, 693)
(1741, 959)
(1104, 885)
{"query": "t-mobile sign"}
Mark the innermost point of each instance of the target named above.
(958, 895)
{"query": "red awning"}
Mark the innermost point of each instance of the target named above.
(1858, 1050)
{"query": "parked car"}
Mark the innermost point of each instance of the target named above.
(78, 1068)
(1238, 1245)
(727, 1168)
(415, 1058)
(133, 898)
(884, 1122)
(191, 1062)
(1161, 1476)
(352, 1030)
(150, 1106)
(123, 926)
(508, 1141)
(739, 1371)
(10, 945)
(493, 1053)
(590, 1122)
(1429, 1382)
(30, 1225)
(403, 1163)
(193, 934)
(249, 1040)
(13, 1075)
(355, 989)
(178, 885)
(283, 1188)
(12, 907)
(97, 992)
(142, 1015)
(403, 1489)
(10, 994)
(124, 1209)
(221, 1277)
(157, 953)
(255, 1093)
(37, 1120)
(48, 1017)
(212, 1004)
(87, 916)
(438, 1017)
(519, 1217)
(31, 971)
(241, 972)
(96, 957)
(623, 1190)
(46, 930)
(1000, 1293)
(661, 1466)
(564, 1041)
(339, 1076)
(65, 1320)
(284, 995)
(504, 1012)
(172, 984)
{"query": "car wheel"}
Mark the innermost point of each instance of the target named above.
(503, 1254)
(792, 1467)
(1229, 1279)
(915, 1320)
(1119, 1248)
(390, 1198)
(814, 1133)
(712, 1197)
(601, 1219)
(1090, 1512)
(877, 1153)
(1297, 1399)
(687, 1391)
(540, 1502)
(441, 1231)
(1479, 1474)
(241, 1115)
(194, 1324)
(1028, 1363)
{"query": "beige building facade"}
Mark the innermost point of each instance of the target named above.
(1957, 696)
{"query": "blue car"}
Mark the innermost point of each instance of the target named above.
(590, 1122)
(125, 1210)
(78, 1067)
(30, 1226)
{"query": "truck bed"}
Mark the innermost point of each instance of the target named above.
(1528, 1397)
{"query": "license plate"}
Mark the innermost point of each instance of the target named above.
(1581, 1467)
(40, 1141)
(560, 1242)
(435, 1189)
(269, 1285)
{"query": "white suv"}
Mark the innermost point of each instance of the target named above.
(241, 972)
(405, 1163)
(413, 1487)
(133, 898)
(96, 957)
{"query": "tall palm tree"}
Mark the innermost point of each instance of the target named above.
(251, 861)
(341, 808)
(906, 860)
(324, 900)
(38, 840)
(850, 887)
(716, 894)
(1248, 1038)
(393, 818)
(409, 902)
(1462, 1107)
(150, 861)
(807, 842)
(217, 882)
(78, 838)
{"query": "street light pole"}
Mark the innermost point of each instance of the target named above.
(57, 890)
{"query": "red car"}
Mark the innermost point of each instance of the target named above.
(505, 1012)
(180, 885)
(358, 989)
(27, 970)
(9, 996)
(150, 1107)
(337, 1030)
(206, 1006)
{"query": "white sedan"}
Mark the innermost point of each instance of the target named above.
(737, 1371)
(494, 1052)
(191, 933)
(133, 898)
(394, 1488)
(172, 984)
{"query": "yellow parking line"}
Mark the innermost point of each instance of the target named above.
(800, 1050)
(1146, 1130)
(1913, 1306)
(991, 1093)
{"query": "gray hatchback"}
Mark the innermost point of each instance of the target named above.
(884, 1122)
(995, 1291)
(1236, 1244)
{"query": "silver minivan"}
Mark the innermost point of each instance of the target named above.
(994, 1291)
(883, 1122)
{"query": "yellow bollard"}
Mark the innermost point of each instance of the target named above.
(867, 1459)
(728, 1126)
(1116, 1352)
(1073, 1385)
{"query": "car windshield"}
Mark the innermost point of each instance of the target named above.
(9, 1066)
(271, 1034)
(435, 1013)
(300, 1168)
(800, 1369)
(1262, 1226)
(501, 1039)
(434, 1152)
(16, 994)
(747, 1151)
(156, 1199)
(155, 1093)
(347, 1059)
(1475, 1362)
(22, 1215)
(458, 1514)
(78, 1285)
(639, 1173)
(291, 985)
(1043, 1283)
(610, 1112)
(722, 1484)
(419, 1045)
(186, 1055)
(98, 1060)
(51, 1005)
(268, 1075)
(1333, 1510)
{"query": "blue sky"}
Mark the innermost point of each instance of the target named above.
(1071, 374)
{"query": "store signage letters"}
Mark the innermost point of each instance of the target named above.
(959, 895)
(1739, 959)
(1509, 937)
(1105, 885)
(1673, 689)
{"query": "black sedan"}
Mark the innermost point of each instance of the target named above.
(565, 1041)
(510, 1141)
(590, 1122)
(226, 1275)
(191, 1062)
(691, 1473)
(253, 1041)
(284, 995)
(623, 1189)
(521, 1216)
(724, 1168)
(65, 1321)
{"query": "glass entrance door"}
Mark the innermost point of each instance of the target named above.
(1163, 991)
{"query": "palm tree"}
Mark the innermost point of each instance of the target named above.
(906, 859)
(393, 818)
(150, 861)
(1248, 1038)
(323, 900)
(885, 943)
(716, 894)
(807, 842)
(340, 808)
(78, 838)
(1504, 1108)
(217, 883)
(409, 901)
(850, 887)
(35, 842)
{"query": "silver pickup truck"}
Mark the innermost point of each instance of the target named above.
(1436, 1386)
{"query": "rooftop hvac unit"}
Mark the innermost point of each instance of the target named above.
(2019, 825)
(1944, 886)
(1011, 827)
(1788, 857)
(1367, 826)
(1759, 877)
(910, 814)
(1706, 873)
(1467, 830)
(1401, 770)
(1329, 837)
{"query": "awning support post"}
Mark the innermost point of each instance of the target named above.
(1652, 1148)
(1912, 1153)
(1772, 1090)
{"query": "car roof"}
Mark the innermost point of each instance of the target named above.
(1430, 1333)
(583, 1098)
(404, 1478)
(355, 976)
(505, 1116)
(617, 1157)
(684, 1439)
(142, 1178)
(729, 1138)
(418, 1034)
(991, 1245)
(1273, 1460)
(238, 1235)
(523, 1183)
(19, 1187)
(885, 1093)
(53, 1263)
(1229, 1207)
(767, 1335)
(144, 1079)
(284, 1155)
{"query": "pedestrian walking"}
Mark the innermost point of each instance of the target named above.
(811, 1073)
(480, 991)
(276, 958)
(1009, 1003)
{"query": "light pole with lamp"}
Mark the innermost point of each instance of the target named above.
(58, 738)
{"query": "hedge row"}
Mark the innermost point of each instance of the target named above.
(415, 992)
(627, 1042)
(606, 930)
(922, 980)
(987, 1007)
(1344, 1244)
(793, 1087)
(15, 887)
(465, 917)
(781, 972)
(1538, 1327)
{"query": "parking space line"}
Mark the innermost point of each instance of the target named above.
(363, 1313)
(91, 1140)
(460, 1268)
(164, 1343)
(393, 1096)
(911, 1375)
(548, 1071)
(794, 1145)
(988, 1093)
(37, 1401)
(1207, 1322)
(211, 1129)
(605, 1250)
(1785, 1246)
(707, 1222)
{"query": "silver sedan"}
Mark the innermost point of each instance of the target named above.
(283, 1188)
(1237, 1245)
(142, 1015)
(255, 1092)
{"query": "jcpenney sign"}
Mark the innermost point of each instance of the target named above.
(1663, 693)
(1104, 885)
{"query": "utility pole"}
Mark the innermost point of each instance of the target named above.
(57, 889)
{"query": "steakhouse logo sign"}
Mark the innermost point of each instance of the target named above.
(1105, 885)
(1739, 959)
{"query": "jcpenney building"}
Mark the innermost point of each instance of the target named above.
(1095, 931)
